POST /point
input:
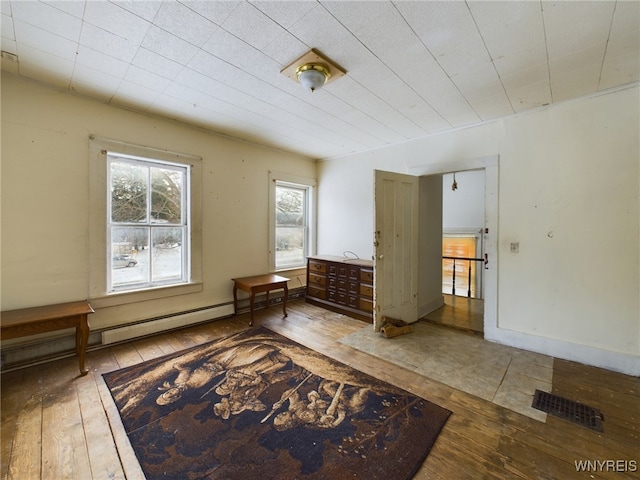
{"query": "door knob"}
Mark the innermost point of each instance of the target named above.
(380, 257)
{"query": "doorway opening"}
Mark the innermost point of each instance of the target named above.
(463, 225)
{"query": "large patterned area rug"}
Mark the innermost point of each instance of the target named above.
(256, 405)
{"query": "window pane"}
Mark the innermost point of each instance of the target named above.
(290, 249)
(167, 253)
(129, 256)
(128, 193)
(166, 195)
(289, 206)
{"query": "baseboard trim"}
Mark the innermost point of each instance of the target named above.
(596, 357)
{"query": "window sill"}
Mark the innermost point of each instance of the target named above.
(290, 269)
(124, 298)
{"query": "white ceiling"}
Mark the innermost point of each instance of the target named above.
(413, 68)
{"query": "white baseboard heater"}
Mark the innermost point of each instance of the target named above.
(169, 322)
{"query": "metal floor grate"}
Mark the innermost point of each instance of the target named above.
(568, 410)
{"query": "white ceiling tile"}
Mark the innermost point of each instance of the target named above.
(233, 50)
(169, 46)
(286, 13)
(108, 43)
(372, 126)
(284, 49)
(101, 62)
(356, 16)
(184, 23)
(5, 8)
(154, 63)
(144, 78)
(251, 25)
(531, 74)
(513, 33)
(425, 117)
(196, 80)
(75, 8)
(319, 29)
(45, 41)
(478, 81)
(6, 27)
(492, 107)
(48, 18)
(622, 61)
(444, 96)
(147, 9)
(449, 32)
(215, 11)
(112, 18)
(570, 27)
(576, 74)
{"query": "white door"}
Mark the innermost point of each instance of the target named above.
(396, 247)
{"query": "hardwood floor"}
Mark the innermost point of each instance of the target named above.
(57, 425)
(461, 313)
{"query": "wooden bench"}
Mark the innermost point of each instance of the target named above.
(259, 284)
(31, 321)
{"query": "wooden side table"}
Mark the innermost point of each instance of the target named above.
(259, 284)
(30, 321)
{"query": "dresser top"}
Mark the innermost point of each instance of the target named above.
(335, 258)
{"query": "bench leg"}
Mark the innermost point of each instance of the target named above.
(82, 339)
(235, 299)
(284, 300)
(251, 302)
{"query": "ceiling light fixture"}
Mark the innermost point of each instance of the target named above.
(313, 71)
(313, 76)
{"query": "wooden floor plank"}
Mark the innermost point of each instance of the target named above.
(103, 455)
(56, 424)
(64, 448)
(14, 397)
(128, 460)
(27, 428)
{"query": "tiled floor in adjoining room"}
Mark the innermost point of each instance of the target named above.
(503, 375)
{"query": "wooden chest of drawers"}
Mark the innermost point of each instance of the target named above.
(342, 285)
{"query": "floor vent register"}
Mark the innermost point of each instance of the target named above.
(568, 410)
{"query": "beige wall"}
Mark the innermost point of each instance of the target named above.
(45, 199)
(569, 182)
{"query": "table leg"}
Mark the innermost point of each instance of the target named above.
(253, 295)
(235, 298)
(284, 300)
(82, 339)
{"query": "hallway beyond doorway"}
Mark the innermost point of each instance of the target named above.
(461, 313)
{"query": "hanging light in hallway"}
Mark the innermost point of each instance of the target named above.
(454, 185)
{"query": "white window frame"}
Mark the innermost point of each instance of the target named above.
(99, 261)
(149, 223)
(304, 183)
